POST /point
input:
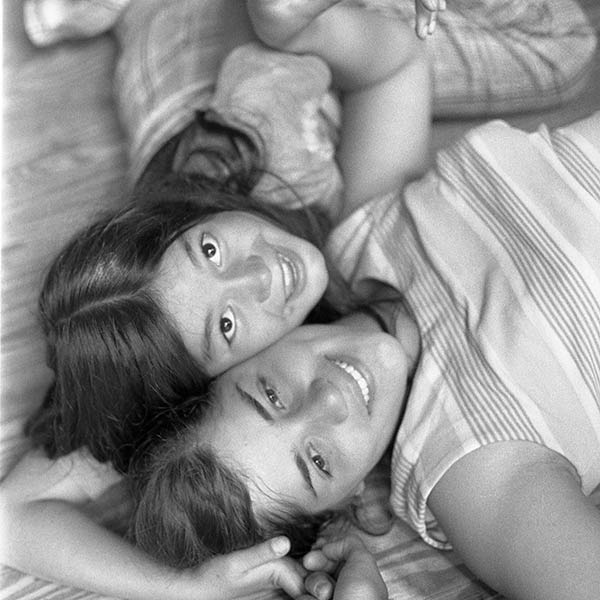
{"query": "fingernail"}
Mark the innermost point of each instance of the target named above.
(280, 546)
(432, 23)
(323, 590)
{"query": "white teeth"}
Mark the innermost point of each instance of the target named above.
(357, 376)
(289, 275)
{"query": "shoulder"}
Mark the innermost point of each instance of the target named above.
(76, 477)
(496, 475)
(516, 512)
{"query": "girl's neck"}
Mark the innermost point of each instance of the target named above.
(407, 333)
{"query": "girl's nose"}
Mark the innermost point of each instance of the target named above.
(326, 402)
(251, 276)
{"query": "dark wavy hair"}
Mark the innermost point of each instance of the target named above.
(117, 359)
(190, 505)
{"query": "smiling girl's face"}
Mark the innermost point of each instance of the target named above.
(308, 418)
(236, 283)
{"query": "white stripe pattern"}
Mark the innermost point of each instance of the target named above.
(496, 253)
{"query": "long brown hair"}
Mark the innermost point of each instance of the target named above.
(190, 505)
(116, 358)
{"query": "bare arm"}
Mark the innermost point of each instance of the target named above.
(516, 514)
(47, 535)
(381, 69)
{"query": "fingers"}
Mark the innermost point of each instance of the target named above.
(320, 585)
(288, 575)
(427, 13)
(260, 567)
(328, 557)
(330, 554)
(315, 560)
(267, 562)
(262, 553)
(341, 549)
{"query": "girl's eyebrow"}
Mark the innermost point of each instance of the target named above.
(257, 406)
(207, 339)
(260, 409)
(189, 251)
(208, 325)
(301, 464)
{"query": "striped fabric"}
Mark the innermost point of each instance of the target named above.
(492, 193)
(497, 254)
(557, 57)
(174, 60)
(508, 56)
(488, 57)
(411, 569)
(493, 57)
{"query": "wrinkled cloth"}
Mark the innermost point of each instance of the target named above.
(495, 57)
(169, 67)
(487, 58)
(496, 255)
(281, 101)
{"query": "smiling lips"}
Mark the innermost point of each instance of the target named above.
(358, 378)
(289, 273)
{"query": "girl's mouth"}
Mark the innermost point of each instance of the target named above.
(289, 274)
(358, 377)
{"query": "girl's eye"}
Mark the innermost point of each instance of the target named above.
(210, 248)
(227, 325)
(320, 463)
(272, 396)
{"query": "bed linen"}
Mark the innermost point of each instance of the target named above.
(411, 569)
(61, 133)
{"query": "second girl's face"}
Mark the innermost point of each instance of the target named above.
(235, 283)
(308, 418)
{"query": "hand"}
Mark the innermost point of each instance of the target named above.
(427, 11)
(358, 577)
(245, 573)
(319, 585)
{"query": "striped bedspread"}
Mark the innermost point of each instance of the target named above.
(411, 569)
(61, 133)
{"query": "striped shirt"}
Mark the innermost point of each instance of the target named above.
(496, 252)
